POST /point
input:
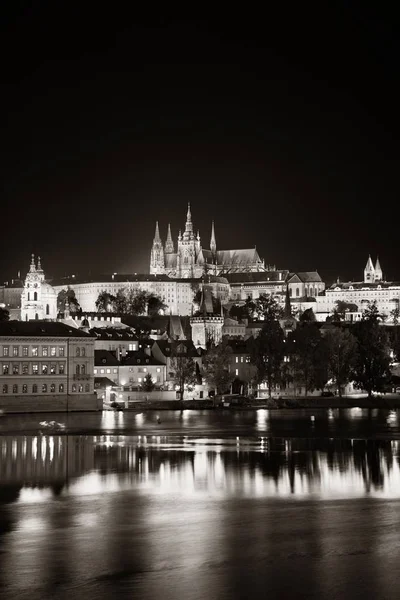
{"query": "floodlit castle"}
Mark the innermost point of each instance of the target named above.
(191, 260)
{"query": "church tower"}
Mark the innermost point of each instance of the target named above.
(169, 244)
(369, 271)
(188, 247)
(207, 325)
(378, 270)
(157, 264)
(38, 299)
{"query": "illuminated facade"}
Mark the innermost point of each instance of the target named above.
(191, 260)
(38, 298)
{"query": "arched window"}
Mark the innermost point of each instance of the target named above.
(78, 351)
(53, 388)
(83, 369)
(34, 389)
(44, 388)
(74, 387)
(83, 352)
(297, 292)
(80, 388)
(36, 316)
(35, 296)
(77, 369)
(29, 296)
(87, 387)
(47, 309)
(61, 387)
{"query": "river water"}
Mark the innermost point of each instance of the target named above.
(202, 505)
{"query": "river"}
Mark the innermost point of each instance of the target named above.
(202, 505)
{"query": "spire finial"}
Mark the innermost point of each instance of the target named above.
(169, 244)
(213, 243)
(39, 265)
(157, 234)
(33, 266)
(188, 233)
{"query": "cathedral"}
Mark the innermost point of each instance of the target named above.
(191, 260)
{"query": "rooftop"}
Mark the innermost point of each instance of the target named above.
(39, 329)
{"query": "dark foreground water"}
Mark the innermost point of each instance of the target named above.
(213, 505)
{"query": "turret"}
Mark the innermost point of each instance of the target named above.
(213, 243)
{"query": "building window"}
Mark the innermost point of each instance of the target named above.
(297, 292)
(6, 351)
(6, 368)
(35, 369)
(80, 388)
(45, 369)
(139, 379)
(61, 351)
(236, 371)
(83, 352)
(74, 387)
(101, 371)
(115, 371)
(15, 388)
(53, 351)
(77, 369)
(34, 389)
(15, 350)
(44, 388)
(158, 370)
(53, 388)
(45, 351)
(35, 351)
(108, 371)
(24, 350)
(95, 371)
(25, 369)
(35, 296)
(15, 369)
(24, 388)
(144, 370)
(87, 387)
(47, 309)
(5, 388)
(61, 368)
(36, 317)
(241, 359)
(78, 351)
(53, 369)
(61, 388)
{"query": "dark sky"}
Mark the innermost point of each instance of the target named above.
(281, 126)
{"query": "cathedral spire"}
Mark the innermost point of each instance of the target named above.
(188, 233)
(157, 234)
(213, 243)
(169, 244)
(33, 266)
(39, 265)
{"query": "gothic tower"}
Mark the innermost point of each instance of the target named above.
(169, 244)
(369, 271)
(38, 299)
(188, 247)
(378, 270)
(207, 325)
(157, 265)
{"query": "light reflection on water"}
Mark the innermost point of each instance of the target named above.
(231, 467)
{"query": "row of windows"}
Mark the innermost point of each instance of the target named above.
(102, 371)
(43, 368)
(140, 379)
(44, 388)
(243, 359)
(24, 350)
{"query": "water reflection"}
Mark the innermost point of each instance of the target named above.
(35, 468)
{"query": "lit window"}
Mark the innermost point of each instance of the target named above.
(102, 371)
(45, 369)
(80, 388)
(158, 370)
(115, 370)
(15, 350)
(15, 388)
(61, 388)
(25, 351)
(95, 371)
(53, 351)
(237, 372)
(44, 388)
(16, 369)
(241, 359)
(6, 351)
(237, 359)
(144, 370)
(53, 369)
(108, 371)
(24, 389)
(5, 388)
(6, 368)
(61, 351)
(74, 387)
(61, 368)
(139, 379)
(35, 369)
(35, 351)
(53, 388)
(45, 351)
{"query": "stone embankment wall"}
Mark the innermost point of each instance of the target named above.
(50, 403)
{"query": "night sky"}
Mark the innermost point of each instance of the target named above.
(282, 127)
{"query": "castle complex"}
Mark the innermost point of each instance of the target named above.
(191, 260)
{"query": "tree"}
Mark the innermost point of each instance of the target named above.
(341, 308)
(308, 357)
(67, 295)
(308, 316)
(105, 302)
(267, 352)
(371, 313)
(265, 307)
(148, 384)
(395, 315)
(4, 314)
(155, 305)
(183, 372)
(372, 367)
(121, 302)
(342, 355)
(216, 367)
(137, 302)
